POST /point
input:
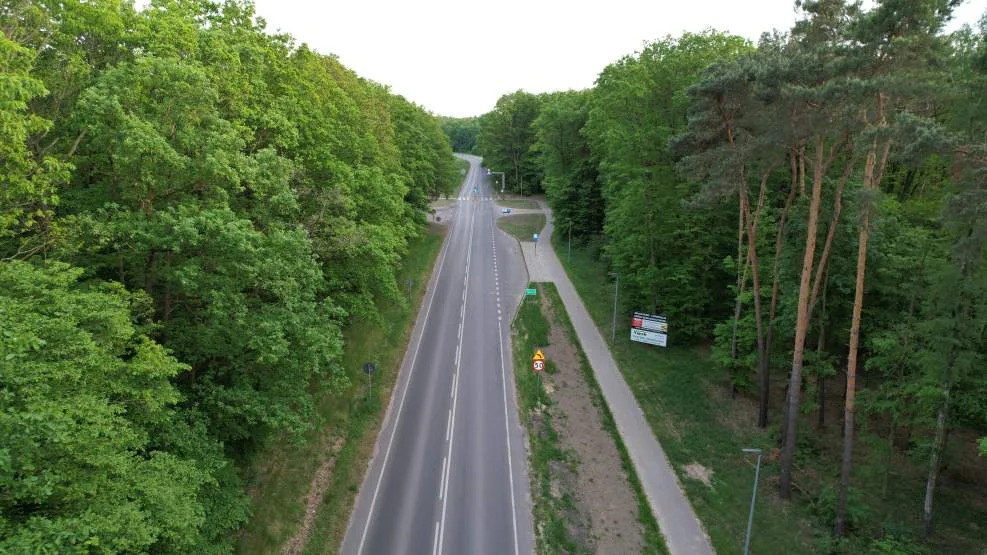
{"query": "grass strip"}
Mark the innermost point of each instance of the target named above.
(522, 226)
(280, 475)
(519, 203)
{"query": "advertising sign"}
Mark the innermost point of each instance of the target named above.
(649, 328)
(649, 337)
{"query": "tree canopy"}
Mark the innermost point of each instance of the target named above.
(191, 210)
(810, 207)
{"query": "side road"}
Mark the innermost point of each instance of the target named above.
(683, 532)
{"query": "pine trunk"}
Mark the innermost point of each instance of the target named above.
(820, 379)
(937, 447)
(762, 367)
(839, 527)
(801, 327)
(873, 173)
(741, 285)
(741, 281)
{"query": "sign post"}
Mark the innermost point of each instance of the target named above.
(368, 368)
(535, 239)
(538, 362)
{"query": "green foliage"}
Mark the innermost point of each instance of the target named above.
(253, 196)
(89, 460)
(894, 545)
(667, 254)
(506, 138)
(28, 184)
(462, 133)
(426, 154)
(571, 183)
(281, 474)
(824, 508)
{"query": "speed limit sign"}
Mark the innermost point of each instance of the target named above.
(538, 365)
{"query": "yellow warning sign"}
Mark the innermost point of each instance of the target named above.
(538, 356)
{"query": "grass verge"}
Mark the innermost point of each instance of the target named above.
(696, 422)
(551, 512)
(280, 476)
(519, 203)
(522, 226)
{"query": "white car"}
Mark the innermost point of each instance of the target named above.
(505, 210)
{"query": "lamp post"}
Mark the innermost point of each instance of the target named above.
(569, 255)
(616, 292)
(502, 181)
(750, 516)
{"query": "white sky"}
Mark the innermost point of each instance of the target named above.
(458, 58)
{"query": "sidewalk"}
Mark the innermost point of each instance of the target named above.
(678, 523)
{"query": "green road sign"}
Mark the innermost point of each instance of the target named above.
(531, 292)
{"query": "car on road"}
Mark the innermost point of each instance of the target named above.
(505, 210)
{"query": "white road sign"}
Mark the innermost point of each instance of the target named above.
(649, 337)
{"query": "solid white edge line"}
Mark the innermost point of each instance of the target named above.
(435, 537)
(442, 475)
(404, 394)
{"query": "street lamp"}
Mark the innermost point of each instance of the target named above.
(569, 255)
(750, 516)
(616, 292)
(502, 180)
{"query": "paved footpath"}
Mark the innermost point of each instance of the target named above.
(683, 532)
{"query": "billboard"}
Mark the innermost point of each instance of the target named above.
(649, 328)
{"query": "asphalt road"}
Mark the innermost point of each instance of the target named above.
(449, 473)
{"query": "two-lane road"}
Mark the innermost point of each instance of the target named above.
(449, 471)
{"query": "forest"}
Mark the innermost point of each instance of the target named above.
(811, 209)
(191, 210)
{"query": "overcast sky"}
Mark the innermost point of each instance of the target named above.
(457, 58)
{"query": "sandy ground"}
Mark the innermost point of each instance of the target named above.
(316, 491)
(599, 486)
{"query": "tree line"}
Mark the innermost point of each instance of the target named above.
(810, 206)
(191, 209)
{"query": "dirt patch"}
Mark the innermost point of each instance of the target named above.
(443, 214)
(699, 472)
(738, 415)
(599, 486)
(316, 492)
